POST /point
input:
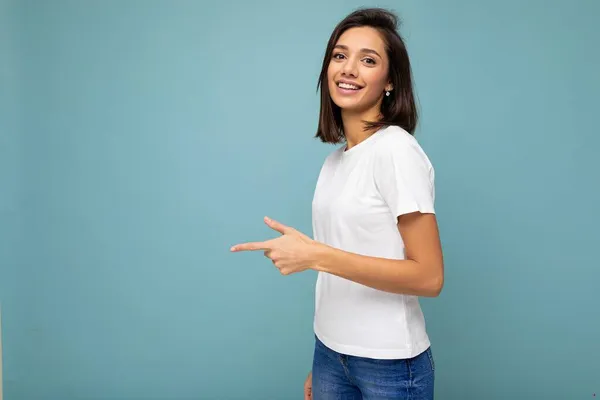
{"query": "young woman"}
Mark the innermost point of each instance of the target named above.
(375, 238)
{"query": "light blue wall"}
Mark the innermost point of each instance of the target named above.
(155, 134)
(12, 180)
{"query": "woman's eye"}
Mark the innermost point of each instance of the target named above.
(370, 61)
(338, 56)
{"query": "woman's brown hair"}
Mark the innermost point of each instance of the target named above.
(397, 109)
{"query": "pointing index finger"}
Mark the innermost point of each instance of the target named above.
(251, 246)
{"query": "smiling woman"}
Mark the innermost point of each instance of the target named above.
(349, 89)
(376, 244)
(364, 60)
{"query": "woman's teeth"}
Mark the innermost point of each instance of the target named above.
(347, 86)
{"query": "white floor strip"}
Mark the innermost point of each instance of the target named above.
(0, 352)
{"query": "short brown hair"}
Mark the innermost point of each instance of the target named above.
(397, 109)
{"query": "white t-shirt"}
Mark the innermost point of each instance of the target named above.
(358, 197)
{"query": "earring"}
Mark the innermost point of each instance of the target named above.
(387, 93)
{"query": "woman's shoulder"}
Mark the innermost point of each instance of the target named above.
(394, 139)
(336, 153)
(332, 157)
(394, 136)
(396, 143)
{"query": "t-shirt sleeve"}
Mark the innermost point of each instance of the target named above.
(405, 178)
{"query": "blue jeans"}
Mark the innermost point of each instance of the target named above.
(342, 377)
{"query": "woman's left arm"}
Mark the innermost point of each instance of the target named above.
(420, 274)
(404, 179)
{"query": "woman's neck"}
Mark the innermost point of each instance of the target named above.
(354, 127)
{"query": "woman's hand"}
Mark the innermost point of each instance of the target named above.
(308, 387)
(292, 252)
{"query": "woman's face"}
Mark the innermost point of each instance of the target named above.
(358, 70)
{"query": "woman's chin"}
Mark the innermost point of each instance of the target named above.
(349, 106)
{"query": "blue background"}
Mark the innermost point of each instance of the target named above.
(140, 139)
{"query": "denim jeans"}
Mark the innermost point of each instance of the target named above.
(342, 377)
